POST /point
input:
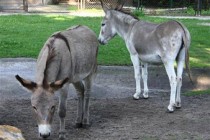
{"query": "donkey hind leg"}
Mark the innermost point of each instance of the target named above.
(135, 61)
(62, 110)
(80, 94)
(88, 85)
(180, 67)
(169, 66)
(145, 77)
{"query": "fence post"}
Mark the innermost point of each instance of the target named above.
(141, 5)
(138, 5)
(171, 3)
(198, 7)
(25, 5)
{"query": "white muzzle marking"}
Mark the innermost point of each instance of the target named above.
(44, 129)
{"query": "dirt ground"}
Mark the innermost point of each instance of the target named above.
(114, 115)
(122, 119)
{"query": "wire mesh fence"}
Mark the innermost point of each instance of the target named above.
(147, 3)
(151, 7)
(154, 7)
(13, 5)
(96, 4)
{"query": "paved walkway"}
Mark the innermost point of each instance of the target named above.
(63, 9)
(110, 82)
(56, 10)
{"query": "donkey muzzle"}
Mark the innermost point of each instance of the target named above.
(44, 130)
(101, 42)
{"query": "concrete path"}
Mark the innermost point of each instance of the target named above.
(63, 9)
(110, 82)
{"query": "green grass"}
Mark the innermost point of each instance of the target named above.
(24, 36)
(191, 12)
(198, 92)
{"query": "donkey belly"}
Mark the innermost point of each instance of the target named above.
(84, 70)
(150, 58)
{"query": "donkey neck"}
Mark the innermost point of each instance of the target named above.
(43, 62)
(123, 23)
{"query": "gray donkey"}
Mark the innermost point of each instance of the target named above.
(69, 56)
(153, 43)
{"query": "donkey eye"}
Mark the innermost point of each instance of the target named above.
(102, 24)
(34, 108)
(53, 108)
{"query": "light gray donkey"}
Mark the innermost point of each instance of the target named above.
(69, 56)
(150, 43)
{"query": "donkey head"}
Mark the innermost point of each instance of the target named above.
(43, 102)
(107, 31)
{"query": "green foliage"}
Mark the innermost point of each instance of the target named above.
(73, 8)
(197, 92)
(190, 11)
(24, 36)
(138, 13)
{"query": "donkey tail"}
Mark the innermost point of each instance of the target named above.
(186, 42)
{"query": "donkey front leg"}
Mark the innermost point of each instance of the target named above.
(80, 94)
(135, 61)
(62, 110)
(145, 77)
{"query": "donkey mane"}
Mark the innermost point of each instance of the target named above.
(52, 53)
(125, 16)
(124, 11)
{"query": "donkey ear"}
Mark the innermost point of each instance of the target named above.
(25, 83)
(120, 4)
(58, 84)
(104, 7)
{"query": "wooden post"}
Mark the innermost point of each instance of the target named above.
(81, 4)
(141, 5)
(25, 5)
(171, 3)
(198, 8)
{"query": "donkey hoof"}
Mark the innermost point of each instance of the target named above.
(169, 111)
(178, 105)
(62, 135)
(85, 126)
(78, 125)
(145, 96)
(61, 138)
(136, 96)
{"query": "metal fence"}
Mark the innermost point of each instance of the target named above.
(151, 6)
(90, 4)
(13, 5)
(205, 4)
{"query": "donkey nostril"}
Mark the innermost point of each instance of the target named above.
(44, 136)
(101, 42)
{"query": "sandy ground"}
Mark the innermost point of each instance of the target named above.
(114, 115)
